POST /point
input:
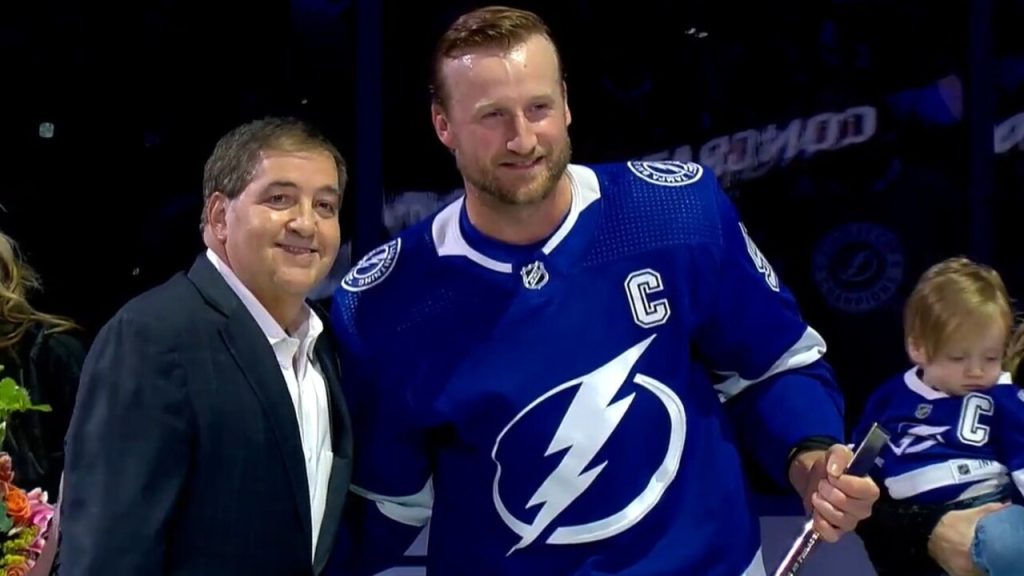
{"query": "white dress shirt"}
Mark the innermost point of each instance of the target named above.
(305, 381)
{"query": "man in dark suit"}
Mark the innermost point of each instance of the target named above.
(210, 434)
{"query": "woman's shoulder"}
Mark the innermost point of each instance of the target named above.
(55, 345)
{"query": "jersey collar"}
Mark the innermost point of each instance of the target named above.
(449, 240)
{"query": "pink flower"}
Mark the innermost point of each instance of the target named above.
(36, 547)
(40, 514)
(40, 511)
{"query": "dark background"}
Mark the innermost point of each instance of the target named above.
(109, 205)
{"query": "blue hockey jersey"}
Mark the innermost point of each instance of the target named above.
(945, 448)
(562, 409)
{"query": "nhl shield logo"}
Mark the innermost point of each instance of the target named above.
(535, 276)
(923, 410)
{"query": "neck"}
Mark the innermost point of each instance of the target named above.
(519, 224)
(287, 312)
(920, 376)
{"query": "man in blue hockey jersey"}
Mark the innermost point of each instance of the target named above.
(957, 425)
(560, 370)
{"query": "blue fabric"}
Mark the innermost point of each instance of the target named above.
(998, 547)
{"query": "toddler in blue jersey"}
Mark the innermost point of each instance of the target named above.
(956, 421)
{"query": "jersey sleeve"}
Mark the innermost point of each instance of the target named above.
(1011, 432)
(876, 410)
(392, 479)
(776, 384)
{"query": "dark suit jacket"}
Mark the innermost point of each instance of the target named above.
(183, 454)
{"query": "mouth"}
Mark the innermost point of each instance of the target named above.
(297, 250)
(522, 164)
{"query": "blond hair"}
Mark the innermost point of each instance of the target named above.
(491, 27)
(17, 280)
(954, 298)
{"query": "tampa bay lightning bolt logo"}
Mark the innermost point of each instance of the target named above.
(915, 437)
(667, 172)
(588, 424)
(859, 267)
(373, 267)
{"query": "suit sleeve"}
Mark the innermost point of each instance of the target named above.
(776, 384)
(127, 453)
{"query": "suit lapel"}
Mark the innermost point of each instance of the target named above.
(256, 360)
(341, 442)
(327, 359)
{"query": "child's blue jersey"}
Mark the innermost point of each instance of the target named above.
(945, 448)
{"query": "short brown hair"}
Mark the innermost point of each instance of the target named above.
(236, 157)
(491, 27)
(952, 296)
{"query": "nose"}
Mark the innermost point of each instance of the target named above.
(974, 368)
(524, 140)
(303, 221)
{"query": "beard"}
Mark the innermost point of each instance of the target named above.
(485, 177)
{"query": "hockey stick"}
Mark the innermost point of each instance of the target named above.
(863, 460)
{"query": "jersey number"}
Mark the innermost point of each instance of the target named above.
(760, 262)
(646, 312)
(970, 431)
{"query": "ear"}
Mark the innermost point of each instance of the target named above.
(565, 102)
(916, 352)
(441, 126)
(217, 215)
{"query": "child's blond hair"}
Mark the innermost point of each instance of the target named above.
(957, 298)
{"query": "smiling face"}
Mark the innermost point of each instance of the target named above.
(506, 119)
(281, 234)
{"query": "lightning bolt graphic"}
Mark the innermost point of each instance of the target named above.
(586, 427)
(925, 437)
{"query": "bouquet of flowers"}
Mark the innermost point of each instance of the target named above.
(24, 516)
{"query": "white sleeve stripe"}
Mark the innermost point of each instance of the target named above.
(413, 510)
(808, 350)
(756, 567)
(946, 473)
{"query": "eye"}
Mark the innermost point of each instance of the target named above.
(277, 199)
(328, 208)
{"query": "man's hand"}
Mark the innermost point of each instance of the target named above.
(838, 501)
(950, 542)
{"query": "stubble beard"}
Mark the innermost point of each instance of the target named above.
(486, 181)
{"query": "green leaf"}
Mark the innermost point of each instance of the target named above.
(5, 521)
(14, 398)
